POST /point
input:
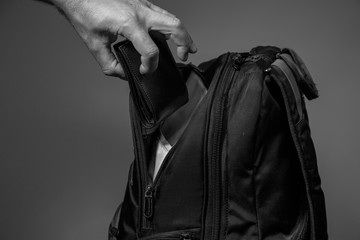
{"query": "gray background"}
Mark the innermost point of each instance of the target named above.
(65, 143)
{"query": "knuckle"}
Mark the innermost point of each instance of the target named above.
(152, 52)
(109, 72)
(94, 43)
(176, 23)
(128, 24)
(109, 69)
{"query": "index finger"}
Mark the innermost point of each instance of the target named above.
(172, 27)
(148, 50)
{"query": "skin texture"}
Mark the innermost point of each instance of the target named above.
(100, 22)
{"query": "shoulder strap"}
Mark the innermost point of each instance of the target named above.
(304, 79)
(289, 76)
(287, 81)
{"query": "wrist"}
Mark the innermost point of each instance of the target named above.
(65, 6)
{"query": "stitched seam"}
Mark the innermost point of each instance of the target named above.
(254, 159)
(139, 82)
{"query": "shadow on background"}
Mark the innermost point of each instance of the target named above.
(65, 143)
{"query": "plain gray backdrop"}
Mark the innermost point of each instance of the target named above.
(65, 143)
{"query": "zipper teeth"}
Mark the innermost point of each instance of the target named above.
(188, 234)
(208, 223)
(215, 169)
(217, 151)
(139, 157)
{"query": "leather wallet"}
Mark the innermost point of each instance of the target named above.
(158, 94)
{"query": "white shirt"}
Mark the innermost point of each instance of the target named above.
(162, 149)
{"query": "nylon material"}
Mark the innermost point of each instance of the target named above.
(133, 188)
(269, 110)
(128, 216)
(243, 115)
(244, 230)
(309, 153)
(278, 185)
(244, 87)
(130, 209)
(173, 127)
(266, 183)
(244, 107)
(193, 233)
(288, 90)
(289, 74)
(141, 150)
(315, 199)
(131, 174)
(179, 192)
(306, 83)
(241, 202)
(317, 194)
(241, 222)
(215, 77)
(278, 181)
(115, 220)
(224, 186)
(212, 123)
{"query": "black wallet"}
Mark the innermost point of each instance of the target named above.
(158, 94)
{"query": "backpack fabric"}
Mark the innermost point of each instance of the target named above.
(244, 167)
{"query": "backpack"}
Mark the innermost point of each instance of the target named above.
(245, 165)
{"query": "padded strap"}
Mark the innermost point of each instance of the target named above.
(305, 81)
(284, 68)
(300, 132)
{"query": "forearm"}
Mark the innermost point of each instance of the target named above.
(61, 5)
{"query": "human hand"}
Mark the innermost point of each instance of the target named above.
(100, 22)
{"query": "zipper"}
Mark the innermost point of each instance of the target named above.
(150, 184)
(148, 196)
(182, 236)
(190, 234)
(148, 202)
(215, 164)
(145, 198)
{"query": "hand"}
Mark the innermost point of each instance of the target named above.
(100, 22)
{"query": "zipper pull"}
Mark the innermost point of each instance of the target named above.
(237, 61)
(185, 236)
(148, 202)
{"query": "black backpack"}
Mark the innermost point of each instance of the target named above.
(244, 167)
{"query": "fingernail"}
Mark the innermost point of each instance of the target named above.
(142, 69)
